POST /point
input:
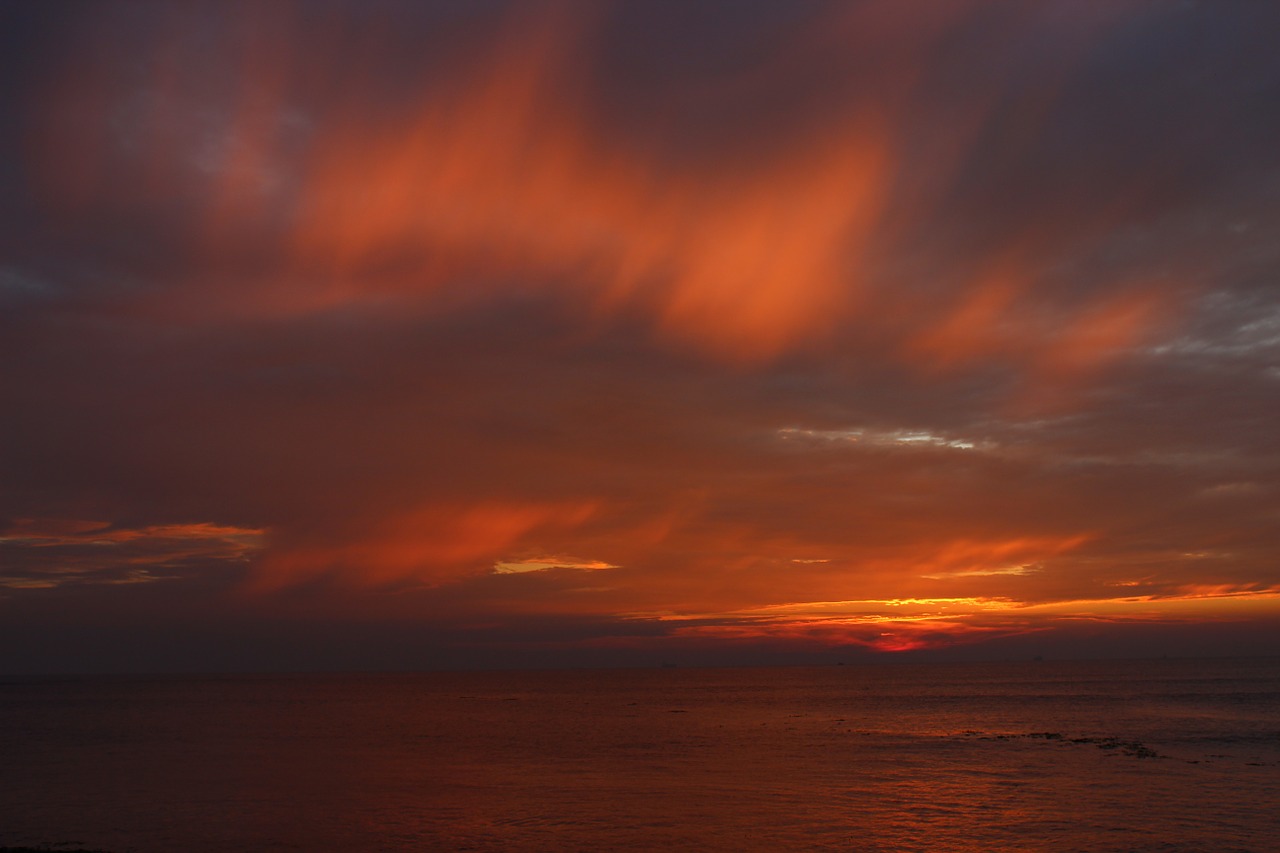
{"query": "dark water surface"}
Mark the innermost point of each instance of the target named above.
(1153, 755)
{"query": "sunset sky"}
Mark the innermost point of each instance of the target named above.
(440, 334)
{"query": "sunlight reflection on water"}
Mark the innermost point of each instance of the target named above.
(1104, 756)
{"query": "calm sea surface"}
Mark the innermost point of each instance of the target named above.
(1150, 756)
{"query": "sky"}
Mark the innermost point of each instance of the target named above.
(382, 335)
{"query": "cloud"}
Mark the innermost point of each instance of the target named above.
(427, 543)
(502, 177)
(480, 316)
(918, 624)
(44, 553)
(521, 565)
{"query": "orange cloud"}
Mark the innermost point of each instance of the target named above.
(965, 557)
(50, 552)
(502, 175)
(881, 634)
(56, 532)
(858, 242)
(427, 544)
(521, 565)
(913, 624)
(499, 177)
(998, 316)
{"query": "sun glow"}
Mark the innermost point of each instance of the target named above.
(841, 324)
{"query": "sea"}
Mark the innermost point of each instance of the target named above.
(1158, 755)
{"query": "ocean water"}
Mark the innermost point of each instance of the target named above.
(1142, 756)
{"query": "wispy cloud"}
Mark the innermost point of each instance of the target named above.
(43, 553)
(522, 565)
(844, 322)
